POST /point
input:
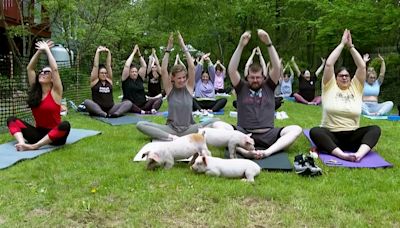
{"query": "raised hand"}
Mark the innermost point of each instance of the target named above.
(42, 45)
(170, 41)
(50, 43)
(349, 40)
(101, 48)
(381, 58)
(181, 41)
(153, 51)
(135, 48)
(366, 57)
(323, 59)
(264, 37)
(245, 38)
(344, 40)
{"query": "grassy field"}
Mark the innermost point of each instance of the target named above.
(95, 183)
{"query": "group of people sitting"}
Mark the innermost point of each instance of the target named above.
(342, 97)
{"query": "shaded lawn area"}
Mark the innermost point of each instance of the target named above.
(95, 183)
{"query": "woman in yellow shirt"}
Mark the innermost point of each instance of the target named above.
(341, 101)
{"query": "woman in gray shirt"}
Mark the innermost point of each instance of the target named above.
(179, 89)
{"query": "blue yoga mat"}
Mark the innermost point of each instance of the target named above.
(9, 155)
(122, 120)
(376, 117)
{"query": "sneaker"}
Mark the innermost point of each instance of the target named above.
(315, 170)
(300, 166)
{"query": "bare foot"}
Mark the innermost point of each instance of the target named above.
(348, 157)
(24, 147)
(153, 111)
(259, 154)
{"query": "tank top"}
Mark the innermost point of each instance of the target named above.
(286, 87)
(180, 105)
(102, 95)
(47, 114)
(307, 88)
(133, 90)
(371, 90)
(154, 85)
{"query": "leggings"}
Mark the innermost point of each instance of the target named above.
(379, 109)
(58, 135)
(327, 141)
(215, 106)
(148, 106)
(300, 99)
(226, 90)
(161, 131)
(116, 110)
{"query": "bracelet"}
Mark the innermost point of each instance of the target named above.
(269, 45)
(351, 46)
(167, 51)
(185, 50)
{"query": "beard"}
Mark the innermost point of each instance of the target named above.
(255, 86)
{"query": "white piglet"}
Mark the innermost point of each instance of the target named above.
(164, 154)
(228, 138)
(233, 168)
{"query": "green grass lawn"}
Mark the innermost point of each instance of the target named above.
(95, 183)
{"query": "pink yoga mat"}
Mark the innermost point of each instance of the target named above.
(371, 160)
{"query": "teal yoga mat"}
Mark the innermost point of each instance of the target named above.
(9, 155)
(122, 120)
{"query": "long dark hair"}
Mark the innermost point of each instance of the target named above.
(35, 94)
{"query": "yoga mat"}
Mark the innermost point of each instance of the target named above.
(122, 120)
(278, 161)
(393, 118)
(155, 114)
(371, 160)
(9, 155)
(220, 112)
(376, 117)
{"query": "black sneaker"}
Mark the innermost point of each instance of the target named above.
(314, 170)
(300, 166)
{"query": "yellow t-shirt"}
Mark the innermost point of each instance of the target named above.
(341, 108)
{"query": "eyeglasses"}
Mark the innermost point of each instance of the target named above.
(344, 75)
(44, 72)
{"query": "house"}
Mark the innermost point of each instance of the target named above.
(29, 12)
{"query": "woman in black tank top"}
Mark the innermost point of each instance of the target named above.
(101, 84)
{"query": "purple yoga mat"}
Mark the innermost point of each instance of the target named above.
(371, 160)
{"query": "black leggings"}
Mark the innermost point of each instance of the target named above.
(209, 104)
(58, 135)
(148, 106)
(327, 141)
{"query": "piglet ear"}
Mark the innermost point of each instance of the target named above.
(195, 156)
(249, 134)
(205, 160)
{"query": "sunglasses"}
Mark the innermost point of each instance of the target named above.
(45, 72)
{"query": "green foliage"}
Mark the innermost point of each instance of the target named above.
(307, 29)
